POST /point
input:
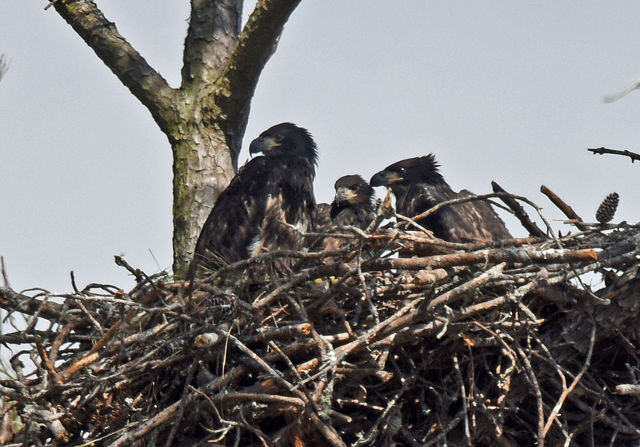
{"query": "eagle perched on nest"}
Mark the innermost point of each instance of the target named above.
(418, 186)
(266, 205)
(354, 204)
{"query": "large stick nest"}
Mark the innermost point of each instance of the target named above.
(370, 345)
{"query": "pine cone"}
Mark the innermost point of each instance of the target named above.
(607, 208)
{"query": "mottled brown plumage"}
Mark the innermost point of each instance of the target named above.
(418, 186)
(354, 204)
(266, 205)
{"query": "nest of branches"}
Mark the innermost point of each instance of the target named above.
(395, 339)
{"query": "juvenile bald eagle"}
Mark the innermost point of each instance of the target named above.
(354, 204)
(418, 186)
(266, 205)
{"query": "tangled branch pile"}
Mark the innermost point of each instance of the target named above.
(495, 344)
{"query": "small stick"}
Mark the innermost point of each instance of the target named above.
(561, 204)
(603, 150)
(471, 285)
(51, 3)
(119, 260)
(533, 381)
(519, 212)
(183, 400)
(463, 397)
(5, 278)
(47, 362)
(165, 415)
(567, 391)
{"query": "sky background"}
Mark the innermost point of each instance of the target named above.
(498, 90)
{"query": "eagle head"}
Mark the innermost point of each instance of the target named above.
(285, 139)
(352, 190)
(410, 171)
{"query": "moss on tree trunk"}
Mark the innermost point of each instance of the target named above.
(205, 118)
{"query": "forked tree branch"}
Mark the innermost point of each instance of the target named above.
(257, 42)
(122, 59)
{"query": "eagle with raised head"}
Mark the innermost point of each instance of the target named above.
(354, 204)
(418, 186)
(267, 205)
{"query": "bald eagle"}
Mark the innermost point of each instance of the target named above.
(268, 203)
(354, 204)
(418, 186)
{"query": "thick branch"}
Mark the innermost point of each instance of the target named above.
(493, 256)
(258, 41)
(213, 32)
(122, 59)
(12, 301)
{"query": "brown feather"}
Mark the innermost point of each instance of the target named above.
(270, 196)
(418, 186)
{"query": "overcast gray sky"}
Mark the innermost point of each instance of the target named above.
(502, 90)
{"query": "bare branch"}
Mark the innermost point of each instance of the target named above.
(570, 388)
(562, 205)
(122, 59)
(492, 256)
(603, 150)
(519, 212)
(257, 42)
(3, 271)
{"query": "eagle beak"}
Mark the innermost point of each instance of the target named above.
(262, 144)
(344, 195)
(385, 178)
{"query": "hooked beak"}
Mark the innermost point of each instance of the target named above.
(385, 178)
(262, 144)
(344, 195)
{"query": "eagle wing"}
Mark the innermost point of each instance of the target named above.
(236, 217)
(267, 205)
(290, 207)
(359, 217)
(474, 221)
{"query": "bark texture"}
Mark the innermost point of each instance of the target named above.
(206, 117)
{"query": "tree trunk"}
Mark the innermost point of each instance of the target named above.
(206, 117)
(202, 167)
